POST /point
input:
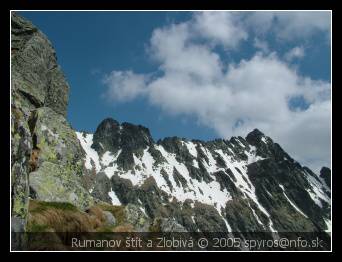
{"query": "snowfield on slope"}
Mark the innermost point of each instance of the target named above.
(193, 189)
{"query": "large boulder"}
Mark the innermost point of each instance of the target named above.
(54, 183)
(109, 218)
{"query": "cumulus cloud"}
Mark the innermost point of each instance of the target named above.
(221, 27)
(124, 85)
(307, 136)
(261, 44)
(290, 25)
(295, 53)
(172, 47)
(231, 98)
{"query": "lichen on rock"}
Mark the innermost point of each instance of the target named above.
(52, 182)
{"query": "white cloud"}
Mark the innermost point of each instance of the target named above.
(255, 93)
(307, 136)
(124, 85)
(261, 44)
(290, 25)
(221, 27)
(171, 47)
(295, 53)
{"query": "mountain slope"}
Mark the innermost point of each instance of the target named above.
(241, 184)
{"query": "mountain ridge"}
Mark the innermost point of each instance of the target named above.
(176, 154)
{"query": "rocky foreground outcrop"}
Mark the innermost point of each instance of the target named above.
(119, 179)
(46, 156)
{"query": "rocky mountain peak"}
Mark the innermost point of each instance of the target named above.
(255, 137)
(111, 136)
(107, 125)
(138, 135)
(266, 147)
(106, 136)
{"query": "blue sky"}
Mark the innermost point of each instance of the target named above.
(89, 44)
(122, 65)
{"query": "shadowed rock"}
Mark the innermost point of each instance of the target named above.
(325, 173)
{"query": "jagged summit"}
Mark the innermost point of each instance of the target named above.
(110, 135)
(107, 124)
(110, 132)
(256, 137)
(256, 132)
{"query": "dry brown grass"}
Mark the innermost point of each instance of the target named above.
(117, 211)
(59, 219)
(63, 220)
(64, 217)
(96, 212)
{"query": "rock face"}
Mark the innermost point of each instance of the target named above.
(36, 77)
(173, 185)
(46, 155)
(58, 170)
(128, 138)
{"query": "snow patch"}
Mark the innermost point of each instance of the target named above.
(208, 193)
(229, 229)
(143, 210)
(242, 180)
(328, 223)
(316, 191)
(191, 148)
(114, 198)
(107, 158)
(263, 139)
(86, 141)
(195, 163)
